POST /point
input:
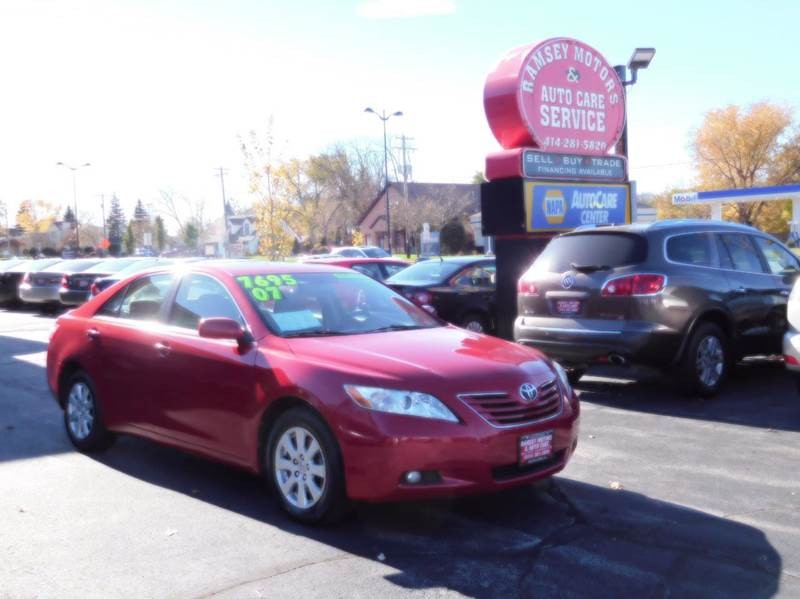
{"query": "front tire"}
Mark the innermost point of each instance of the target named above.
(304, 468)
(475, 323)
(83, 418)
(706, 361)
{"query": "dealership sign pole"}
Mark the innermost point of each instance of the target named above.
(557, 108)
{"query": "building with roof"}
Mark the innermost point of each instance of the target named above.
(413, 204)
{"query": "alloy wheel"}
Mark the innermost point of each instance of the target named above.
(475, 326)
(300, 468)
(710, 360)
(80, 411)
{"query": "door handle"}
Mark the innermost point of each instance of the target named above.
(93, 334)
(163, 349)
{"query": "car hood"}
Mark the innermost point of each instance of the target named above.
(428, 359)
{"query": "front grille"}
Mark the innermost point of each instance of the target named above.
(510, 471)
(502, 410)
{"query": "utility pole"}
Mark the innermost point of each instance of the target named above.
(405, 147)
(103, 212)
(221, 172)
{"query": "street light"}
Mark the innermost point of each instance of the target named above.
(74, 170)
(640, 59)
(384, 117)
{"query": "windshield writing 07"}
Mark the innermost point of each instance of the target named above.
(323, 304)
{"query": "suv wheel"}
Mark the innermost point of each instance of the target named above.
(705, 363)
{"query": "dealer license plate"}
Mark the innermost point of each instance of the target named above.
(568, 306)
(535, 447)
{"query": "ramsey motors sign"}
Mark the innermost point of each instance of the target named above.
(560, 95)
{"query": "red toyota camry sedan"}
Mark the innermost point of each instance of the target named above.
(324, 381)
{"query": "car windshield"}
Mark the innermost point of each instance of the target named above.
(375, 252)
(35, 265)
(141, 264)
(427, 272)
(322, 304)
(108, 267)
(71, 266)
(594, 251)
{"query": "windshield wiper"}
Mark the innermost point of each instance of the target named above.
(313, 333)
(588, 267)
(397, 327)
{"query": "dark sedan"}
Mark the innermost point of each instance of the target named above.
(43, 287)
(75, 288)
(12, 277)
(460, 290)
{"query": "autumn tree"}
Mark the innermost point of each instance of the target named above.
(268, 183)
(36, 218)
(751, 147)
(182, 211)
(160, 233)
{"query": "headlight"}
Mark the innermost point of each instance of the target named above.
(410, 403)
(562, 376)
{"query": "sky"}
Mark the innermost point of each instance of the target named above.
(156, 94)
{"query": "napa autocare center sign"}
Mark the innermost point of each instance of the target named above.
(563, 206)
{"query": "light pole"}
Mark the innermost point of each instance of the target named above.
(74, 170)
(640, 59)
(384, 117)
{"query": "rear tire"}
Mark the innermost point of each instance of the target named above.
(475, 323)
(83, 417)
(304, 468)
(706, 361)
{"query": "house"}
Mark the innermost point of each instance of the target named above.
(242, 233)
(413, 204)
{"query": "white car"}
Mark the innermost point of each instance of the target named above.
(791, 339)
(367, 251)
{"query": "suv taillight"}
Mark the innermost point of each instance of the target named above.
(27, 278)
(94, 290)
(525, 287)
(64, 281)
(634, 285)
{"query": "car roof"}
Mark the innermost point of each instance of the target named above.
(686, 224)
(354, 260)
(459, 259)
(255, 267)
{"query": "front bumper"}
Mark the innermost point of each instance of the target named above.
(73, 297)
(576, 342)
(791, 349)
(469, 458)
(39, 295)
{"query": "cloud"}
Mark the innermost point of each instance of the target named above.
(400, 9)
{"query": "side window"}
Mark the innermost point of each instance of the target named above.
(692, 249)
(393, 269)
(476, 276)
(198, 297)
(779, 261)
(743, 253)
(723, 253)
(371, 270)
(111, 307)
(144, 297)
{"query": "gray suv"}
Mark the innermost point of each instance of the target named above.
(689, 297)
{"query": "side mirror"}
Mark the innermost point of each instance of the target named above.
(223, 328)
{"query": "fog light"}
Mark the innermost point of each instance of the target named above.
(414, 477)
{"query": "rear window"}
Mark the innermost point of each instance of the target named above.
(428, 272)
(592, 249)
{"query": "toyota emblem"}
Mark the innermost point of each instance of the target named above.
(567, 280)
(528, 392)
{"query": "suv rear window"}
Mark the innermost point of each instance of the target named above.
(592, 249)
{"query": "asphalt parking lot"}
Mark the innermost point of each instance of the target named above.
(666, 497)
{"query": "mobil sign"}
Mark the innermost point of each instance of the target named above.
(559, 95)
